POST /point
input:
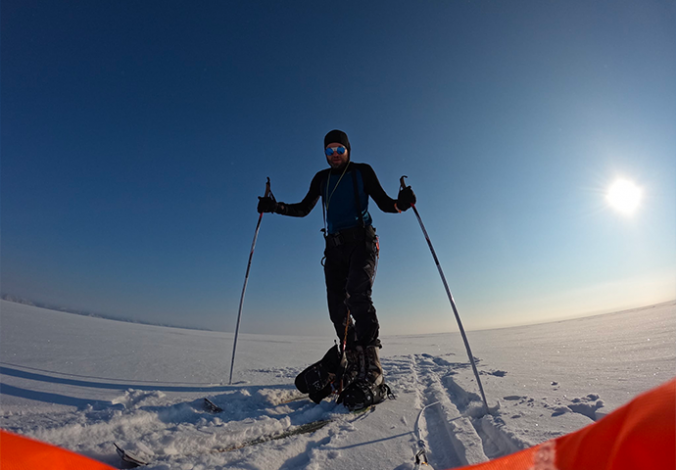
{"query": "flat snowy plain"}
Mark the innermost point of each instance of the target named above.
(86, 383)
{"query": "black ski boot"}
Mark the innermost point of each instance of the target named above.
(354, 364)
(369, 387)
(319, 378)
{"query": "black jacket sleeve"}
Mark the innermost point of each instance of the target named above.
(375, 190)
(308, 203)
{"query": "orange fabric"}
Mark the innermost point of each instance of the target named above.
(639, 435)
(21, 453)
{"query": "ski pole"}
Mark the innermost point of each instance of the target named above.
(268, 192)
(450, 297)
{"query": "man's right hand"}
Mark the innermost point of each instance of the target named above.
(266, 204)
(405, 199)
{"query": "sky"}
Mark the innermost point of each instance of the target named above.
(136, 137)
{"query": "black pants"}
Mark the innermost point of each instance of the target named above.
(349, 267)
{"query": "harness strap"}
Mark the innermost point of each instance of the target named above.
(356, 198)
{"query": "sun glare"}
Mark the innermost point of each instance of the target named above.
(624, 196)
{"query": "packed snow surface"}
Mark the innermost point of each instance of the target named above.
(87, 383)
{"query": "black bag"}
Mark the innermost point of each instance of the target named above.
(320, 379)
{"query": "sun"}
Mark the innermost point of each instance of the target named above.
(624, 196)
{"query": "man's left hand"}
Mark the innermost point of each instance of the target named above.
(266, 204)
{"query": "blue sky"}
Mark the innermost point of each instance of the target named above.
(136, 137)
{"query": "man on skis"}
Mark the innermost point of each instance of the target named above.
(349, 267)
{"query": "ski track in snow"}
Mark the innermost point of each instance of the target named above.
(451, 427)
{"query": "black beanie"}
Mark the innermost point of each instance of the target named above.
(337, 136)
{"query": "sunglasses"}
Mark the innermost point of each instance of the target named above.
(329, 151)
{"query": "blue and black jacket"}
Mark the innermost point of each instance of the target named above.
(336, 187)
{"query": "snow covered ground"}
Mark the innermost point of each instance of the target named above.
(86, 383)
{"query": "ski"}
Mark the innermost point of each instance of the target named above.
(128, 457)
(211, 406)
(306, 428)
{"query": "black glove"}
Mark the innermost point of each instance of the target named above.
(405, 198)
(266, 204)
